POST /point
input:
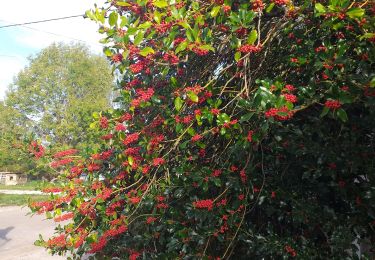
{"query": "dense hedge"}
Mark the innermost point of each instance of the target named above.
(242, 130)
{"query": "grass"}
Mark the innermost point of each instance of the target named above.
(19, 200)
(32, 185)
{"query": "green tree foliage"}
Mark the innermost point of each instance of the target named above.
(59, 91)
(11, 134)
(244, 130)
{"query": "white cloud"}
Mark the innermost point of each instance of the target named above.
(37, 38)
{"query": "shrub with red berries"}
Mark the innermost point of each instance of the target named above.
(229, 117)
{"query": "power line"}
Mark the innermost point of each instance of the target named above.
(42, 21)
(60, 35)
(52, 33)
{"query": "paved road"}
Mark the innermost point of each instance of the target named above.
(18, 233)
(36, 192)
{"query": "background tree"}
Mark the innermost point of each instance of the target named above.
(11, 134)
(59, 91)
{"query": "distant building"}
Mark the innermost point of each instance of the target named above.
(12, 178)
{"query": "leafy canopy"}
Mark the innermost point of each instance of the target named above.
(243, 129)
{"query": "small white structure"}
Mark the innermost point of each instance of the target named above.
(12, 178)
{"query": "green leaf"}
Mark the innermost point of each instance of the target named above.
(270, 7)
(90, 15)
(189, 34)
(124, 21)
(118, 3)
(95, 115)
(324, 112)
(145, 25)
(160, 3)
(217, 182)
(184, 24)
(157, 17)
(246, 117)
(193, 97)
(113, 19)
(214, 12)
(131, 160)
(342, 115)
(181, 47)
(372, 83)
(237, 56)
(367, 36)
(252, 37)
(223, 118)
(178, 102)
(146, 51)
(355, 12)
(139, 38)
(320, 8)
(207, 47)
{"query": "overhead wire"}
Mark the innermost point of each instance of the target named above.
(43, 31)
(42, 21)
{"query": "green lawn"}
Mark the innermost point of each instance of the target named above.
(19, 200)
(32, 185)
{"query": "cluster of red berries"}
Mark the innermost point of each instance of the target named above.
(178, 40)
(93, 167)
(196, 138)
(131, 138)
(132, 151)
(120, 128)
(200, 51)
(289, 88)
(115, 231)
(103, 122)
(290, 97)
(117, 57)
(290, 250)
(56, 164)
(258, 5)
(52, 190)
(216, 173)
(65, 153)
(132, 84)
(280, 2)
(143, 96)
(226, 9)
(163, 27)
(249, 48)
(249, 137)
(171, 58)
(137, 67)
(36, 149)
(281, 114)
(204, 204)
(59, 241)
(158, 161)
(150, 220)
(332, 104)
(243, 176)
(64, 217)
(42, 206)
(107, 137)
(241, 32)
(98, 246)
(321, 49)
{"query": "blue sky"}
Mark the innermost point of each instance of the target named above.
(18, 43)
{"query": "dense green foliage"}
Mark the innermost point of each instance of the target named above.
(11, 134)
(243, 130)
(53, 98)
